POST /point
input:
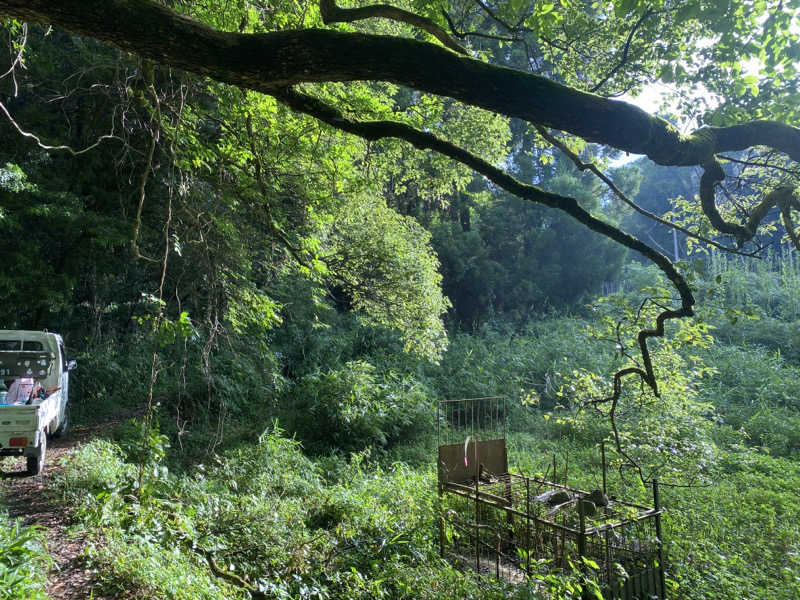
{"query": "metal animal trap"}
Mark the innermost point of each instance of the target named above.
(515, 528)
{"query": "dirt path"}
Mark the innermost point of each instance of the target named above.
(29, 498)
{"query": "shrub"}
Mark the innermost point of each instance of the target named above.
(95, 467)
(352, 407)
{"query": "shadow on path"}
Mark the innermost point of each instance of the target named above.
(30, 498)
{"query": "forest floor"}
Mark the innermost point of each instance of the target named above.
(35, 502)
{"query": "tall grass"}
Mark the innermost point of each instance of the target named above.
(772, 284)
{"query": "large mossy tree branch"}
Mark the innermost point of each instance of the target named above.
(269, 61)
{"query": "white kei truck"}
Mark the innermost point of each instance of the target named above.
(34, 365)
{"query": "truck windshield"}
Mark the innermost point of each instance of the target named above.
(17, 345)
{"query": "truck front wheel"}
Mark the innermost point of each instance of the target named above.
(36, 463)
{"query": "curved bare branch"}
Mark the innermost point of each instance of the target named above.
(63, 148)
(331, 13)
(713, 174)
(785, 198)
(582, 166)
(625, 52)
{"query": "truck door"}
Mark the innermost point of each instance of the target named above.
(64, 379)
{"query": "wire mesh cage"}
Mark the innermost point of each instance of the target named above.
(472, 435)
(515, 528)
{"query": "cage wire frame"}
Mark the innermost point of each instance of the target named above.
(499, 523)
(490, 417)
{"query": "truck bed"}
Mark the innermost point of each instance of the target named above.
(26, 420)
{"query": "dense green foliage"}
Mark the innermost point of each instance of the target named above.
(361, 525)
(357, 519)
(518, 260)
(280, 306)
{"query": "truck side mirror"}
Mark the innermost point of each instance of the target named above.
(72, 365)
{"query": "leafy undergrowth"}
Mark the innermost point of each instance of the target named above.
(739, 538)
(23, 561)
(271, 520)
(735, 534)
(265, 520)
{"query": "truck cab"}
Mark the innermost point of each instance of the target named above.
(34, 393)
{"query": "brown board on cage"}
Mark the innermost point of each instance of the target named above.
(464, 462)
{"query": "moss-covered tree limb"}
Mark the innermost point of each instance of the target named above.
(265, 62)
